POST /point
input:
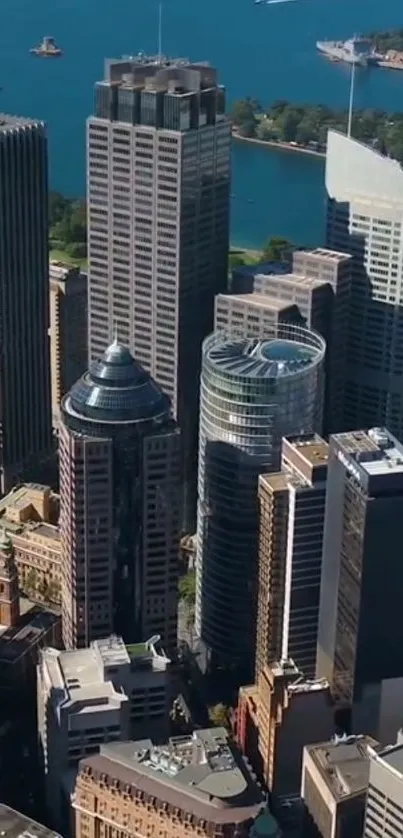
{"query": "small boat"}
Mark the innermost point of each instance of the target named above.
(47, 49)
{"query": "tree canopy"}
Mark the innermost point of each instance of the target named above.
(68, 224)
(187, 588)
(307, 125)
(277, 249)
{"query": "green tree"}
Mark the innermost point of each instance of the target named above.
(187, 588)
(276, 249)
(220, 715)
(244, 110)
(235, 260)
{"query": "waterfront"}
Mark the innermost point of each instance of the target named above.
(267, 52)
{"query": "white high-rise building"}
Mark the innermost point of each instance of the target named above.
(365, 218)
(384, 806)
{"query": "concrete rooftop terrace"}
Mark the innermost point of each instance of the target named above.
(203, 773)
(15, 825)
(344, 764)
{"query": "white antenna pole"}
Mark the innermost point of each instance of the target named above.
(160, 31)
(351, 103)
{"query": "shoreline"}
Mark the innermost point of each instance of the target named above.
(280, 146)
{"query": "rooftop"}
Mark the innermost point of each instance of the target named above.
(35, 622)
(83, 674)
(344, 764)
(203, 773)
(260, 300)
(370, 454)
(159, 72)
(11, 121)
(287, 352)
(311, 447)
(392, 757)
(15, 825)
(116, 389)
(31, 510)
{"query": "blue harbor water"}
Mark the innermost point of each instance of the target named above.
(266, 52)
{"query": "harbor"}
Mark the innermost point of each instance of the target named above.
(361, 52)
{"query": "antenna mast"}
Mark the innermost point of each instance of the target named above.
(351, 103)
(160, 32)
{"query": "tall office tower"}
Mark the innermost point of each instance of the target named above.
(334, 786)
(384, 806)
(68, 330)
(318, 282)
(362, 571)
(253, 392)
(120, 504)
(159, 148)
(25, 412)
(365, 217)
(291, 521)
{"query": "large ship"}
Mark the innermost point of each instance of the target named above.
(47, 49)
(356, 50)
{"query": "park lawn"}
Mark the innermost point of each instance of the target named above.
(61, 256)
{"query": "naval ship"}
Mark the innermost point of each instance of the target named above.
(356, 50)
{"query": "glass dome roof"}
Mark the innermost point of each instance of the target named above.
(116, 389)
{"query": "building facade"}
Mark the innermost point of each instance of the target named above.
(365, 218)
(120, 492)
(334, 785)
(317, 283)
(384, 804)
(252, 393)
(291, 522)
(25, 414)
(79, 707)
(25, 628)
(276, 718)
(364, 501)
(30, 515)
(159, 148)
(68, 330)
(193, 785)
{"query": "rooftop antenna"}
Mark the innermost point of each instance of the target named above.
(160, 32)
(115, 332)
(351, 103)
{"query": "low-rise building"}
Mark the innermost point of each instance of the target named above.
(334, 785)
(15, 825)
(30, 514)
(25, 627)
(87, 697)
(196, 785)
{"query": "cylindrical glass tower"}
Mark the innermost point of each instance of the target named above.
(253, 392)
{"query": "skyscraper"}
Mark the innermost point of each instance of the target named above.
(291, 522)
(68, 330)
(252, 393)
(158, 218)
(365, 218)
(119, 505)
(360, 627)
(25, 403)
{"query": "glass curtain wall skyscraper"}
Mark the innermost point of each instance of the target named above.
(365, 218)
(159, 147)
(25, 401)
(253, 392)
